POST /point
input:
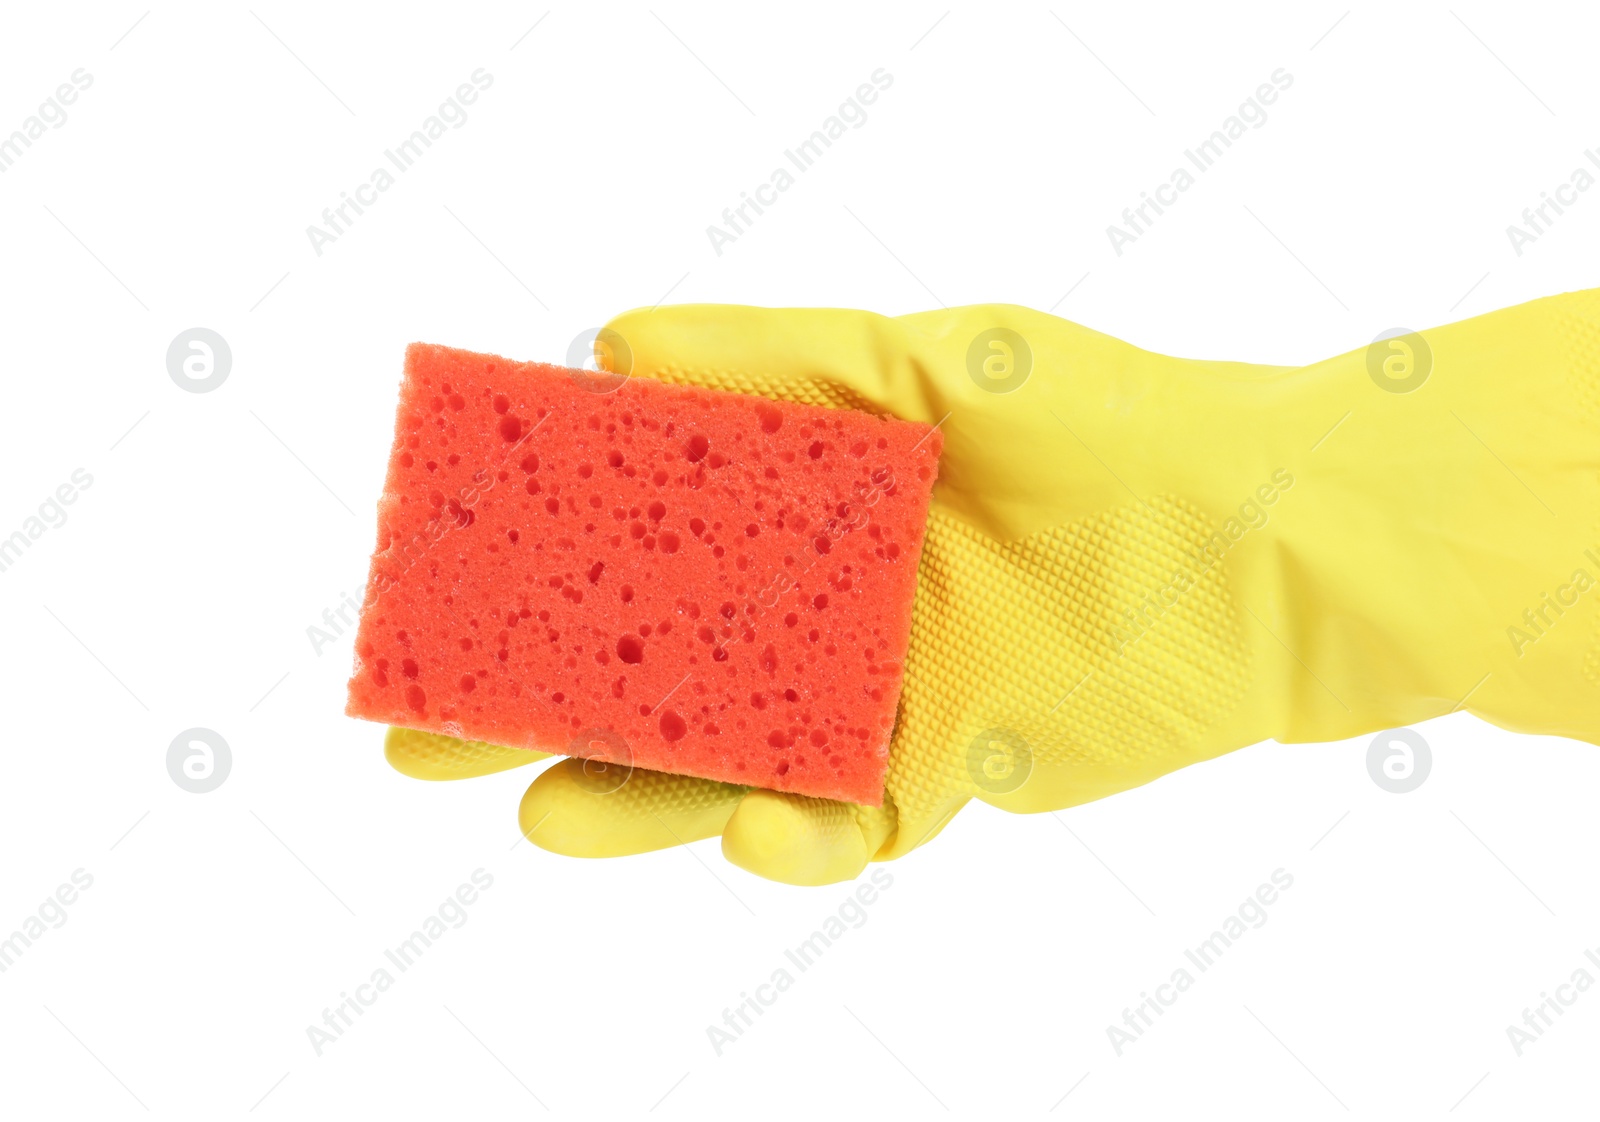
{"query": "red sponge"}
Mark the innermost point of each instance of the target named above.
(679, 579)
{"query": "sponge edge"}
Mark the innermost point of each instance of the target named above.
(679, 579)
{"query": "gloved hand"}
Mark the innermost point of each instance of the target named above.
(1136, 562)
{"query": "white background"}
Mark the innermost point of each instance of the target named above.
(219, 526)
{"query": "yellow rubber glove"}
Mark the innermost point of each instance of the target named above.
(1136, 562)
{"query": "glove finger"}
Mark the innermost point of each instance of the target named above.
(585, 808)
(837, 358)
(999, 471)
(428, 755)
(800, 840)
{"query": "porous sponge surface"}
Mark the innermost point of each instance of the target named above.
(680, 579)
